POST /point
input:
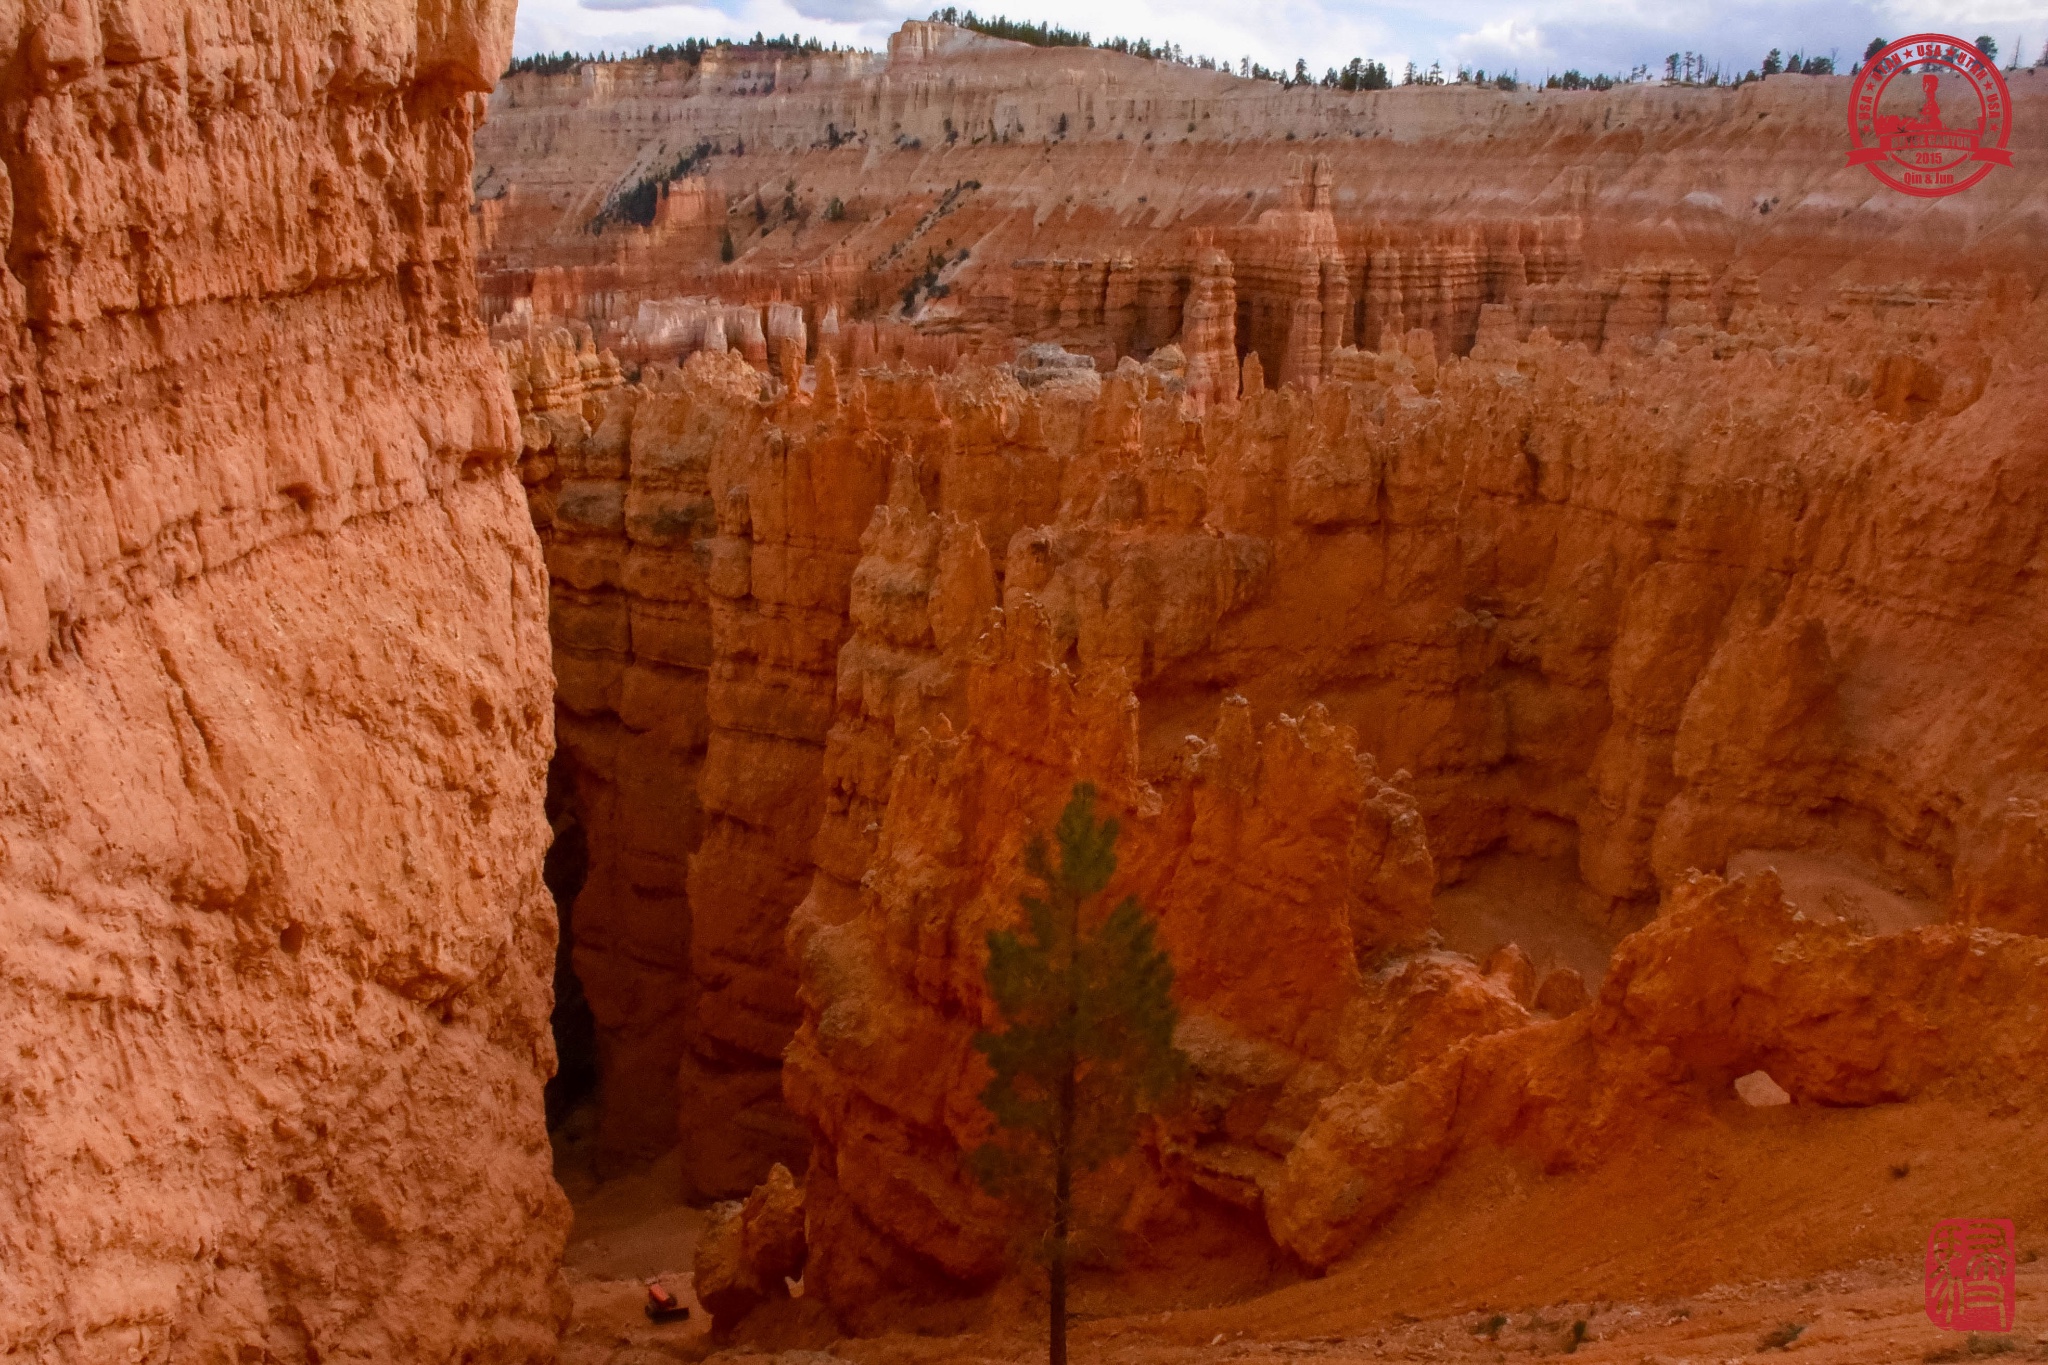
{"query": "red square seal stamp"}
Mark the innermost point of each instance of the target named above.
(1969, 1279)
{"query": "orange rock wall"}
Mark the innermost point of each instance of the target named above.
(1641, 612)
(1582, 498)
(1611, 484)
(618, 492)
(275, 716)
(1074, 178)
(1563, 629)
(789, 517)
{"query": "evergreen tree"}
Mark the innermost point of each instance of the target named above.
(1088, 1044)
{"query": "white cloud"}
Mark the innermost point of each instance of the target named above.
(620, 5)
(848, 11)
(625, 25)
(1509, 43)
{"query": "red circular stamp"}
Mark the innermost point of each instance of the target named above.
(1910, 141)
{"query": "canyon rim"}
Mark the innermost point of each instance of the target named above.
(595, 570)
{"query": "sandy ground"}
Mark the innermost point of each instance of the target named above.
(1543, 905)
(1708, 1245)
(630, 1228)
(1537, 903)
(1830, 889)
(1864, 1316)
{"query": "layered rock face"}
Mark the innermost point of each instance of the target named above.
(1336, 655)
(1068, 194)
(277, 702)
(1548, 658)
(1573, 646)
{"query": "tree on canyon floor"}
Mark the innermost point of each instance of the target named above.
(1087, 1051)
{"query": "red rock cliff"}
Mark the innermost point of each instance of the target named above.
(1443, 592)
(1345, 659)
(276, 708)
(1068, 194)
(1453, 579)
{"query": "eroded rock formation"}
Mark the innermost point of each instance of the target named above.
(1729, 980)
(989, 190)
(754, 1248)
(276, 713)
(1550, 660)
(1333, 654)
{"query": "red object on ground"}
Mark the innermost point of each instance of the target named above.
(662, 1305)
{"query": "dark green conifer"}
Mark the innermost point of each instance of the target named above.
(1087, 1000)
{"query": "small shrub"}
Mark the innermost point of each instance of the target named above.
(1780, 1337)
(637, 205)
(725, 248)
(1975, 1346)
(835, 209)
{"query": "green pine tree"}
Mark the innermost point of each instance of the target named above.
(1087, 1000)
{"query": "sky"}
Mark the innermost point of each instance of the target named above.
(1531, 37)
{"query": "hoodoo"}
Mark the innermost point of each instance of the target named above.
(1544, 579)
(1545, 587)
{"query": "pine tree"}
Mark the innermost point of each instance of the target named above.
(1088, 1045)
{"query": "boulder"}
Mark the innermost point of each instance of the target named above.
(1563, 992)
(1509, 965)
(1759, 1091)
(753, 1248)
